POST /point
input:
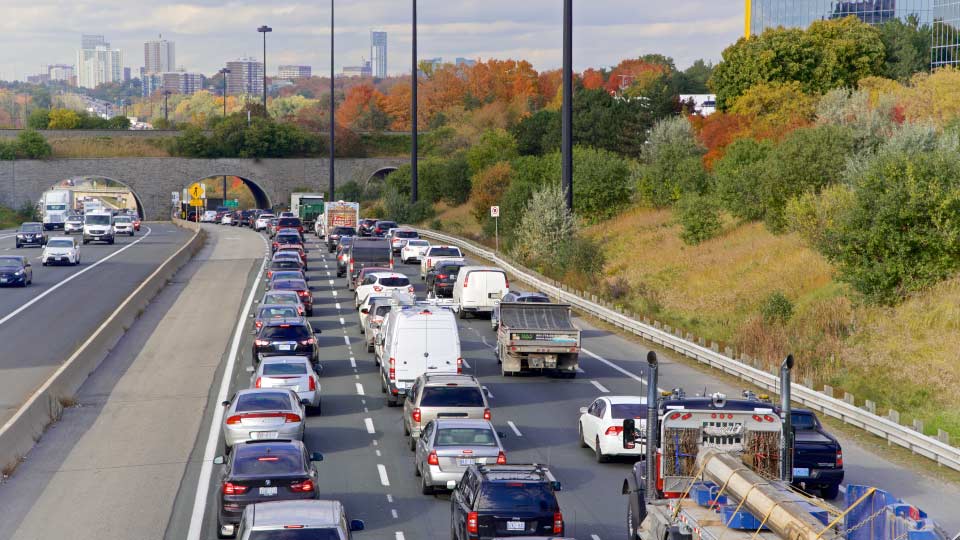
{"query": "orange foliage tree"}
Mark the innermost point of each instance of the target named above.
(593, 79)
(362, 103)
(634, 72)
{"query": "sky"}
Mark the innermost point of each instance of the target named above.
(210, 32)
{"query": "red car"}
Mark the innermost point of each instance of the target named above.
(136, 223)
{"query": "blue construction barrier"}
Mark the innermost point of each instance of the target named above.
(881, 516)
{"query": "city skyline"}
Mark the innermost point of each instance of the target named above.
(210, 32)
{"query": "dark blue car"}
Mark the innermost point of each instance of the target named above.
(15, 270)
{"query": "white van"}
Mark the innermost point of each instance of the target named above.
(415, 340)
(98, 227)
(479, 288)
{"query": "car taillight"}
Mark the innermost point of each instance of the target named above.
(269, 274)
(429, 263)
(459, 366)
(259, 381)
(839, 458)
(486, 414)
(302, 487)
(261, 342)
(229, 488)
(303, 293)
(291, 418)
(614, 430)
(313, 383)
(501, 458)
(473, 525)
(308, 341)
(235, 419)
(441, 276)
(506, 282)
(393, 369)
(410, 289)
(557, 523)
(377, 288)
(258, 324)
(432, 459)
(416, 415)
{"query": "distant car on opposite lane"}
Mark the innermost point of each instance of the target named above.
(73, 224)
(123, 225)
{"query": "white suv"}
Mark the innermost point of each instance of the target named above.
(123, 225)
(262, 221)
(381, 284)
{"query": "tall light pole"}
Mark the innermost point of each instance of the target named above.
(264, 29)
(333, 105)
(413, 117)
(166, 110)
(223, 72)
(567, 108)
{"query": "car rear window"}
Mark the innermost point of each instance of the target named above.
(465, 437)
(536, 299)
(263, 401)
(294, 332)
(294, 274)
(387, 224)
(276, 312)
(345, 230)
(421, 243)
(284, 369)
(376, 253)
(803, 421)
(290, 285)
(382, 311)
(289, 222)
(517, 495)
(445, 252)
(296, 534)
(263, 460)
(394, 282)
(288, 238)
(406, 234)
(628, 410)
(283, 265)
(451, 396)
(280, 299)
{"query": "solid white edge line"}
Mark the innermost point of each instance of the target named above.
(399, 536)
(466, 364)
(206, 467)
(71, 277)
(359, 389)
(600, 387)
(618, 368)
(383, 475)
(514, 428)
(594, 537)
(369, 423)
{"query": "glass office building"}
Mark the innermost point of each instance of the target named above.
(945, 50)
(763, 14)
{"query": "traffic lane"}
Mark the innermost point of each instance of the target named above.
(42, 336)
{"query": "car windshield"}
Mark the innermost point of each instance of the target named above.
(406, 234)
(263, 401)
(516, 496)
(60, 242)
(445, 252)
(346, 241)
(465, 437)
(262, 460)
(280, 299)
(394, 282)
(96, 219)
(276, 312)
(803, 421)
(123, 219)
(381, 311)
(325, 533)
(74, 218)
(30, 227)
(451, 396)
(293, 332)
(7, 262)
(271, 369)
(619, 411)
(290, 285)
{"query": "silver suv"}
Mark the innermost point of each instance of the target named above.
(296, 520)
(442, 396)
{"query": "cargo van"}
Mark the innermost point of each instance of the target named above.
(415, 340)
(479, 288)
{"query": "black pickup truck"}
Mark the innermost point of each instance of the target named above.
(817, 456)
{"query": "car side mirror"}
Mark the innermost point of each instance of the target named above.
(583, 410)
(317, 331)
(253, 315)
(305, 402)
(556, 485)
(451, 485)
(316, 456)
(356, 525)
(365, 311)
(219, 460)
(629, 433)
(225, 403)
(501, 434)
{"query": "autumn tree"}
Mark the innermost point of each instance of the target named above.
(637, 72)
(362, 109)
(592, 79)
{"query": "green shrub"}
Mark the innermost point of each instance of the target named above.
(437, 179)
(700, 218)
(529, 173)
(32, 145)
(39, 118)
(602, 182)
(397, 206)
(531, 131)
(672, 163)
(815, 216)
(776, 308)
(8, 150)
(739, 176)
(546, 229)
(494, 146)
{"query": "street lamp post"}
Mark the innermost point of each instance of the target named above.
(166, 109)
(333, 105)
(223, 73)
(264, 29)
(413, 117)
(567, 108)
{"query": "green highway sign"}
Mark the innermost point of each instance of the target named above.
(231, 203)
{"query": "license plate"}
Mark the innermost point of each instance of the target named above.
(465, 462)
(495, 295)
(268, 491)
(515, 526)
(283, 347)
(801, 471)
(263, 435)
(96, 237)
(3, 280)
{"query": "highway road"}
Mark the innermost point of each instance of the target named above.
(42, 324)
(168, 492)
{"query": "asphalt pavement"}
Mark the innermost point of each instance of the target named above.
(42, 324)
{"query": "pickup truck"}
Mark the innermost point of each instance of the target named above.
(817, 456)
(535, 336)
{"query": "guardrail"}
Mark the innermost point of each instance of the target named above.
(924, 445)
(46, 404)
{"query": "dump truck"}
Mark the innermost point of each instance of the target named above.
(537, 337)
(720, 468)
(338, 214)
(308, 207)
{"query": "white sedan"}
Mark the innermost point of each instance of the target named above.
(601, 426)
(209, 216)
(413, 250)
(381, 284)
(227, 219)
(61, 249)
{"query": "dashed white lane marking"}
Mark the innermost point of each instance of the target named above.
(347, 340)
(328, 273)
(365, 409)
(331, 281)
(594, 537)
(375, 443)
(383, 475)
(393, 512)
(399, 536)
(489, 393)
(338, 305)
(334, 292)
(353, 362)
(466, 364)
(514, 428)
(389, 498)
(600, 387)
(618, 368)
(369, 424)
(342, 321)
(357, 376)
(378, 453)
(359, 389)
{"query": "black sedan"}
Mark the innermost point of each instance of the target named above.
(366, 227)
(31, 234)
(286, 337)
(442, 277)
(261, 471)
(15, 270)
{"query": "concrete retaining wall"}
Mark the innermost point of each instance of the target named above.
(45, 405)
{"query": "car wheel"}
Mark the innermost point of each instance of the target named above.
(413, 444)
(43, 263)
(830, 492)
(425, 488)
(601, 458)
(18, 245)
(416, 471)
(583, 442)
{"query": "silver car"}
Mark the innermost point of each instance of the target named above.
(442, 396)
(317, 519)
(448, 446)
(292, 373)
(286, 298)
(263, 414)
(73, 224)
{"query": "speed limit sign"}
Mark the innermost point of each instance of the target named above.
(494, 211)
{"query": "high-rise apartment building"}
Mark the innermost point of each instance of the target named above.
(245, 77)
(763, 14)
(460, 61)
(292, 73)
(364, 70)
(98, 66)
(181, 82)
(159, 56)
(151, 84)
(378, 53)
(60, 72)
(92, 41)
